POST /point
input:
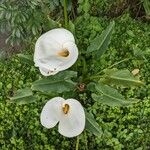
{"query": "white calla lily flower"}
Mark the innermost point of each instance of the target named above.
(68, 113)
(55, 51)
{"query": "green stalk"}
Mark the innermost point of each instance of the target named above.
(65, 14)
(115, 64)
(77, 143)
(84, 71)
(97, 76)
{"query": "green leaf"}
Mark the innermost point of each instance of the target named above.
(18, 34)
(110, 96)
(121, 77)
(146, 4)
(52, 85)
(23, 96)
(71, 27)
(65, 75)
(138, 53)
(86, 6)
(28, 59)
(51, 23)
(101, 42)
(92, 125)
(91, 87)
(58, 84)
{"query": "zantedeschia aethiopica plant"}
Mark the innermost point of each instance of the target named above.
(69, 114)
(55, 51)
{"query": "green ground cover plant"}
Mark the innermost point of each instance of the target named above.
(121, 127)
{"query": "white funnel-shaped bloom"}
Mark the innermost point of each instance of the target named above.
(69, 114)
(55, 51)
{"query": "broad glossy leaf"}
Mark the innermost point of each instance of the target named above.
(57, 84)
(92, 125)
(28, 59)
(121, 77)
(110, 96)
(65, 75)
(51, 85)
(101, 42)
(23, 96)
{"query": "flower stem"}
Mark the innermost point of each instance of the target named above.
(77, 143)
(126, 59)
(115, 64)
(97, 76)
(84, 71)
(65, 14)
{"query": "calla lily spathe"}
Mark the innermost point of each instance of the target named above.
(55, 51)
(69, 114)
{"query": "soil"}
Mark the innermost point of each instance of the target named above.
(7, 49)
(3, 45)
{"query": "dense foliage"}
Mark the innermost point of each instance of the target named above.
(24, 20)
(124, 128)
